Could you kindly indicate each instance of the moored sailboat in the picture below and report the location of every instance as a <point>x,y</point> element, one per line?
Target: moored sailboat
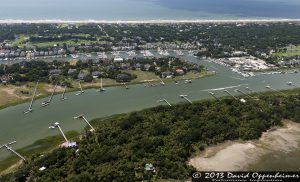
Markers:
<point>101,86</point>
<point>32,100</point>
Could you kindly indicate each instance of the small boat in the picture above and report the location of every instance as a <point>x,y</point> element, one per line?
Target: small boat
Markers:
<point>102,55</point>
<point>147,54</point>
<point>46,103</point>
<point>32,100</point>
<point>125,85</point>
<point>74,56</point>
<point>81,90</point>
<point>131,54</point>
<point>28,111</point>
<point>188,81</point>
<point>179,53</point>
<point>101,87</point>
<point>115,53</point>
<point>164,53</point>
<point>63,94</point>
<point>162,82</point>
<point>191,53</point>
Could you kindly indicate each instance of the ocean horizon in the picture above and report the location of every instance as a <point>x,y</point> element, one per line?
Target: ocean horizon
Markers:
<point>19,21</point>
<point>137,10</point>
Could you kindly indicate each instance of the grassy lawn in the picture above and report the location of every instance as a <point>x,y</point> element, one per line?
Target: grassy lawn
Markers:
<point>287,54</point>
<point>291,51</point>
<point>6,99</point>
<point>21,40</point>
<point>13,94</point>
<point>191,75</point>
<point>50,44</point>
<point>143,75</point>
<point>63,25</point>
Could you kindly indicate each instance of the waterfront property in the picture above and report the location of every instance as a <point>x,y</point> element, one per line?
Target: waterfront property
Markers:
<point>116,100</point>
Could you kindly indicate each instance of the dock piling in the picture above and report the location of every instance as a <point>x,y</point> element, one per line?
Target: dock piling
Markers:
<point>7,146</point>
<point>81,116</point>
<point>270,88</point>
<point>164,100</point>
<point>226,91</point>
<point>56,125</point>
<point>185,97</point>
<point>214,95</point>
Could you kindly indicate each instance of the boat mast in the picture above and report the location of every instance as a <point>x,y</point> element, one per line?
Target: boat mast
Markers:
<point>32,99</point>
<point>101,86</point>
<point>50,99</point>
<point>63,94</point>
<point>80,88</point>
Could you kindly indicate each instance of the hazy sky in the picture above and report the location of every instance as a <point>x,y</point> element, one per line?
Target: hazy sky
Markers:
<point>147,9</point>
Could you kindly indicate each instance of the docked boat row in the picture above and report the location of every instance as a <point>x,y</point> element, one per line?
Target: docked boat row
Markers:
<point>164,53</point>
<point>149,83</point>
<point>147,53</point>
<point>101,55</point>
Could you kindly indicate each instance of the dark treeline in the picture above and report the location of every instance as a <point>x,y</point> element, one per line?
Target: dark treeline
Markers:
<point>163,136</point>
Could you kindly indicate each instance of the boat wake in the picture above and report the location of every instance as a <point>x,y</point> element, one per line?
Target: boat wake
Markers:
<point>224,88</point>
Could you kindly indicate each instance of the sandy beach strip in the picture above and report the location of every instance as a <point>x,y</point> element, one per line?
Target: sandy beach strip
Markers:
<point>156,21</point>
<point>235,156</point>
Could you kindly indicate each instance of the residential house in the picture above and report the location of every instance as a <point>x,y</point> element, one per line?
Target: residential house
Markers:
<point>55,72</point>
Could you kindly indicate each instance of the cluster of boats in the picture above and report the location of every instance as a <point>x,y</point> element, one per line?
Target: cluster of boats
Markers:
<point>147,53</point>
<point>179,52</point>
<point>48,102</point>
<point>102,55</point>
<point>244,74</point>
<point>164,53</point>
<point>81,91</point>
<point>130,54</point>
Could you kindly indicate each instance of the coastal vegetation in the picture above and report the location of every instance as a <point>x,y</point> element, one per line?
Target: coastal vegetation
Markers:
<point>151,144</point>
<point>218,40</point>
<point>124,146</point>
<point>285,54</point>
<point>64,72</point>
<point>18,80</point>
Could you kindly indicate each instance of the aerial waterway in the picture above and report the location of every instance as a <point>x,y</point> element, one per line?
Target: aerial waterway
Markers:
<point>28,128</point>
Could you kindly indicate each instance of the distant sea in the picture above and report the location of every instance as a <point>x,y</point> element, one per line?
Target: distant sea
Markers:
<point>148,9</point>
